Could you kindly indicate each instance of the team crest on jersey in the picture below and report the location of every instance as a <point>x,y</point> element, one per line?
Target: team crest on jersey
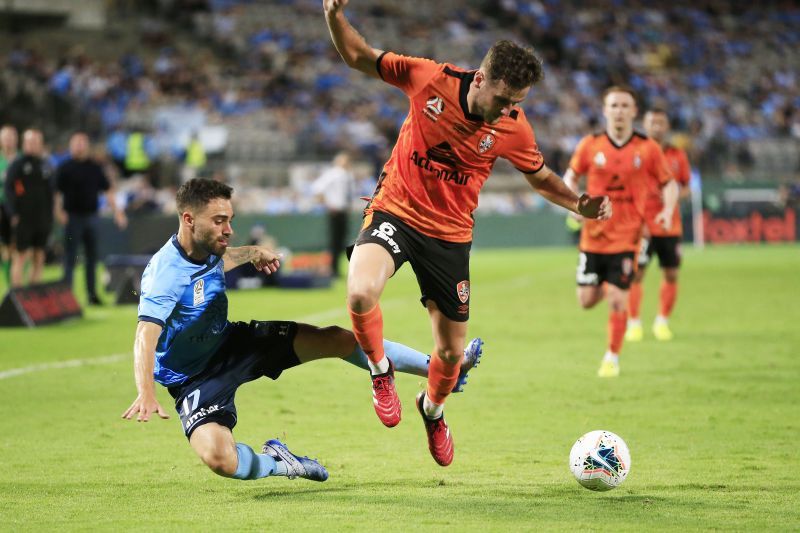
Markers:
<point>463,291</point>
<point>600,159</point>
<point>434,107</point>
<point>199,295</point>
<point>486,143</point>
<point>637,161</point>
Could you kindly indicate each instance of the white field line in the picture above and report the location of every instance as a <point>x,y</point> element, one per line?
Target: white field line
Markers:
<point>328,314</point>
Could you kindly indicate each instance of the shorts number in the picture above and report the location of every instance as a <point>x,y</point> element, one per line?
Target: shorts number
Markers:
<point>195,395</point>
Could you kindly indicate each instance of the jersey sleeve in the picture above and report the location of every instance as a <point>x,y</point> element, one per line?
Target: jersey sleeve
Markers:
<point>160,291</point>
<point>410,74</point>
<point>579,163</point>
<point>523,152</point>
<point>659,166</point>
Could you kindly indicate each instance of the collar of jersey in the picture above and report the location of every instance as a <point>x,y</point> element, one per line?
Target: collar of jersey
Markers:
<point>184,254</point>
<point>466,80</point>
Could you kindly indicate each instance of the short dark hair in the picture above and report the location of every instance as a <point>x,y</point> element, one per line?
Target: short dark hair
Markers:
<point>657,110</point>
<point>621,89</point>
<point>516,65</point>
<point>197,192</point>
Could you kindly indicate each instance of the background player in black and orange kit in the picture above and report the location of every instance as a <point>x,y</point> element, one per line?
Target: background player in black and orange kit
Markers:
<point>459,123</point>
<point>665,243</point>
<point>620,163</point>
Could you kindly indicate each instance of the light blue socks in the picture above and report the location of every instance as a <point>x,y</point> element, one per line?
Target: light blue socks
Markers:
<point>405,359</point>
<point>254,465</point>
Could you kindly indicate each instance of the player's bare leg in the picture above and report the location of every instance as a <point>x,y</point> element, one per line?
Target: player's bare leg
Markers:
<point>449,337</point>
<point>633,331</point>
<point>590,295</point>
<point>371,266</point>
<point>18,261</point>
<point>215,446</point>
<point>37,268</point>
<point>667,297</point>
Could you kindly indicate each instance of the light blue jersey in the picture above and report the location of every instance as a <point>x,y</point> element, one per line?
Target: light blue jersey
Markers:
<point>187,298</point>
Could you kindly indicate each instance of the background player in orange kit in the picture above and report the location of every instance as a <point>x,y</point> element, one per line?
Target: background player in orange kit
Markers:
<point>619,163</point>
<point>459,123</point>
<point>666,243</point>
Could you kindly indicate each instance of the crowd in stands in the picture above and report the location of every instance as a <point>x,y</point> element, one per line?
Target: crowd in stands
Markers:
<point>726,71</point>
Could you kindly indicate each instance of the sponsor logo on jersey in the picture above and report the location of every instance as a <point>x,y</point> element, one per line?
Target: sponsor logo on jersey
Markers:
<point>486,143</point>
<point>434,107</point>
<point>463,291</point>
<point>600,159</point>
<point>442,154</point>
<point>637,161</point>
<point>199,296</point>
<point>385,232</point>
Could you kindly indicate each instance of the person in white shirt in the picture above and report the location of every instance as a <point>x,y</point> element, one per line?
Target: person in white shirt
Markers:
<point>335,188</point>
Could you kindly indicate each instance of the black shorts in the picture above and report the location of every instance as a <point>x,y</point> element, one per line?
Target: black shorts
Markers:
<point>250,351</point>
<point>5,226</point>
<point>441,267</point>
<point>616,269</point>
<point>668,250</point>
<point>31,234</point>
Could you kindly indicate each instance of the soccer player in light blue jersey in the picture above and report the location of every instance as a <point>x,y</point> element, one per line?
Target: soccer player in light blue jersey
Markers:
<point>185,341</point>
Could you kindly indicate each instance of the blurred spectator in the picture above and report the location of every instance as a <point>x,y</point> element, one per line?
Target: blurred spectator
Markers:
<point>29,200</point>
<point>335,188</point>
<point>8,152</point>
<point>79,182</point>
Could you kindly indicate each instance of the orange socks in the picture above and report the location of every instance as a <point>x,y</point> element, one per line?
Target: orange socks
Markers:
<point>669,293</point>
<point>634,300</point>
<point>442,378</point>
<point>617,322</point>
<point>368,329</point>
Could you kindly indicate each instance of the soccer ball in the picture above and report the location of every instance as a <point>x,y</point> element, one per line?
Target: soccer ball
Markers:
<point>600,460</point>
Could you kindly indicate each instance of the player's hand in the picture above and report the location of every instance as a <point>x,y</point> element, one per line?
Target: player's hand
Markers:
<point>15,221</point>
<point>598,207</point>
<point>664,219</point>
<point>120,219</point>
<point>145,406</point>
<point>332,7</point>
<point>266,260</point>
<point>62,217</point>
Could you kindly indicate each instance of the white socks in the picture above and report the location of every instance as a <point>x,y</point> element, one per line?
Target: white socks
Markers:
<point>432,410</point>
<point>381,367</point>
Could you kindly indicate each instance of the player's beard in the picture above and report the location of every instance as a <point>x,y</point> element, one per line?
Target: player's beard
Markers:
<point>208,241</point>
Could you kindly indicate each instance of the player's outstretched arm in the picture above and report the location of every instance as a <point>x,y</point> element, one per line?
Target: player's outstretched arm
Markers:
<point>264,259</point>
<point>348,42</point>
<point>554,189</point>
<point>670,194</point>
<point>144,357</point>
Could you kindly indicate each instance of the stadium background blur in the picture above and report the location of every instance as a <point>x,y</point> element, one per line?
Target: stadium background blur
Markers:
<point>259,88</point>
<point>253,93</point>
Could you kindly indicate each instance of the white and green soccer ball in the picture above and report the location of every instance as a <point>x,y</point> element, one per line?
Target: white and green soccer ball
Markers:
<point>600,460</point>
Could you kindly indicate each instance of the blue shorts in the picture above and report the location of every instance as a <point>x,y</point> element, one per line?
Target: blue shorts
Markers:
<point>250,351</point>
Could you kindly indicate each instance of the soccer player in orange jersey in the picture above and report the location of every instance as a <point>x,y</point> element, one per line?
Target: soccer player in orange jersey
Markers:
<point>620,163</point>
<point>666,243</point>
<point>459,122</point>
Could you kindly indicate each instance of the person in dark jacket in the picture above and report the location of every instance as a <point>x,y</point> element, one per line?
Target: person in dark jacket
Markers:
<point>79,182</point>
<point>29,203</point>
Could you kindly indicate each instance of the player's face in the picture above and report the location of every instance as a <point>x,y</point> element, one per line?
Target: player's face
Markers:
<point>79,146</point>
<point>33,142</point>
<point>619,110</point>
<point>8,139</point>
<point>212,229</point>
<point>656,125</point>
<point>495,99</point>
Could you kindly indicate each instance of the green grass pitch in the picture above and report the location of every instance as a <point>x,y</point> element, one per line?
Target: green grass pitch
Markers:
<point>711,418</point>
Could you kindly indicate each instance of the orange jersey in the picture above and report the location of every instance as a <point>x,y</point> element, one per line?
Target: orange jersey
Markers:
<point>444,154</point>
<point>623,174</point>
<point>678,165</point>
